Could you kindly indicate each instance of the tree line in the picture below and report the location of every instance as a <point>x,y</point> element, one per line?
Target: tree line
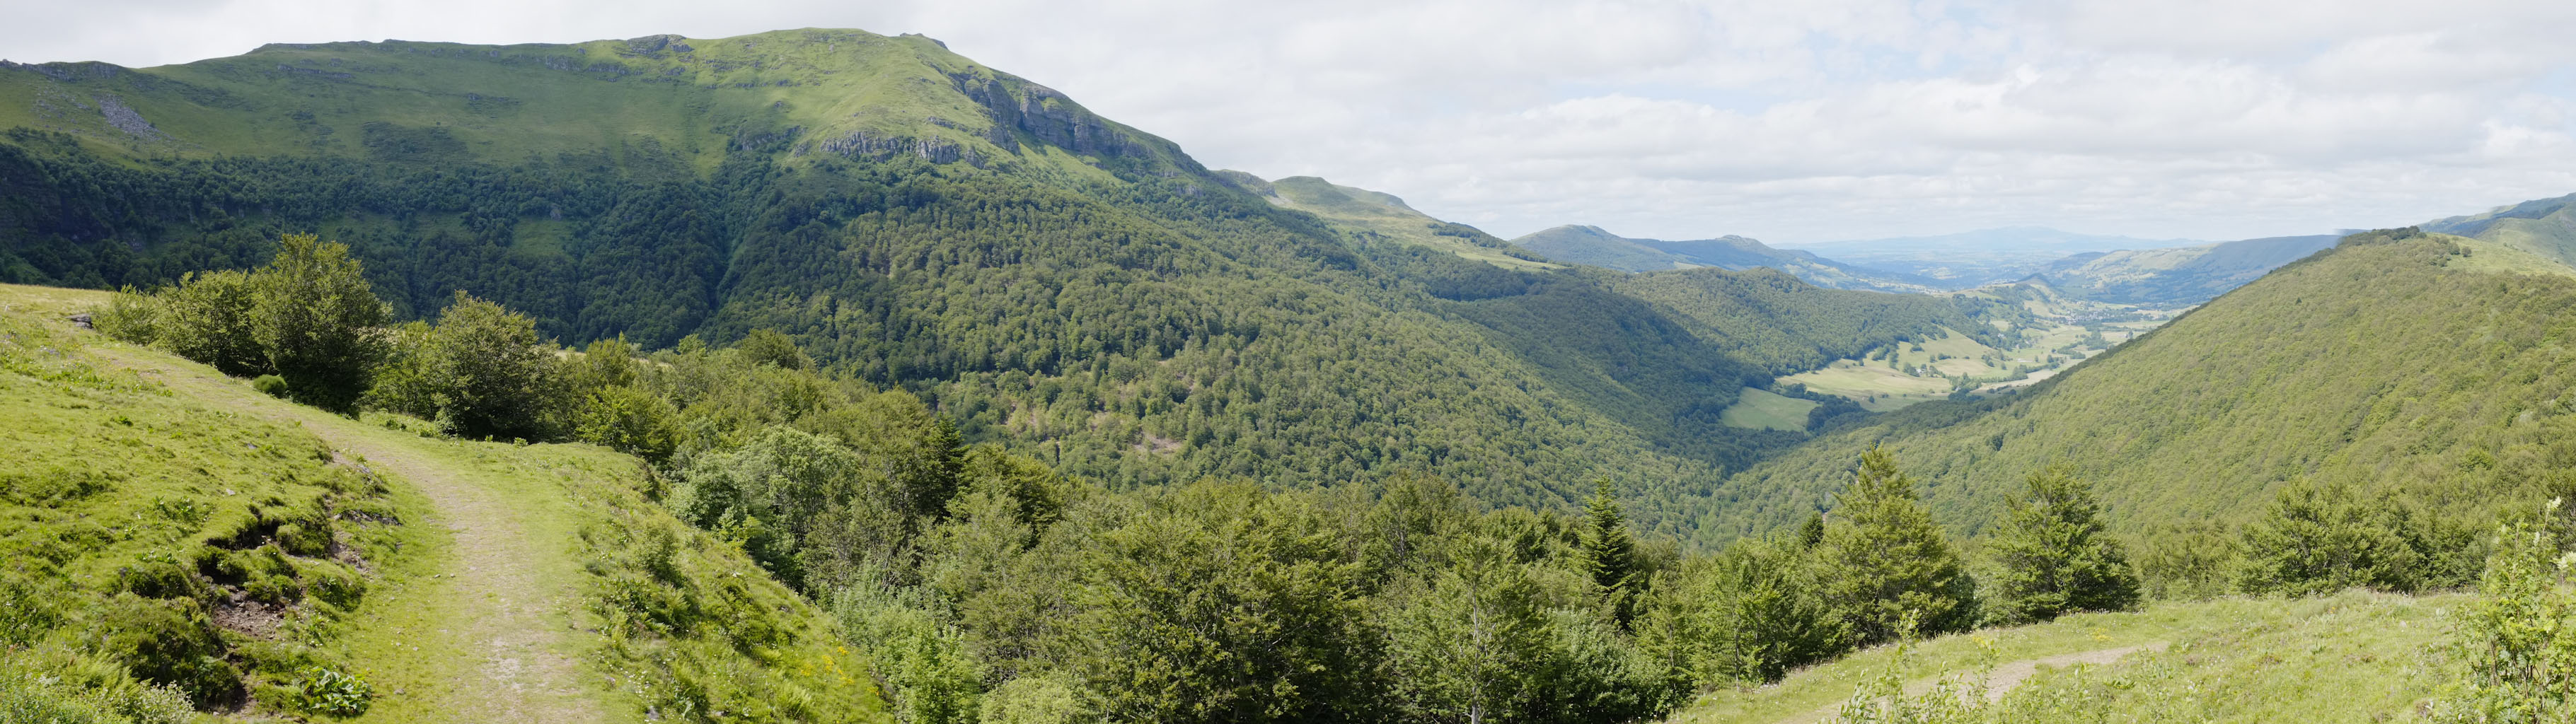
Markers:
<point>988,586</point>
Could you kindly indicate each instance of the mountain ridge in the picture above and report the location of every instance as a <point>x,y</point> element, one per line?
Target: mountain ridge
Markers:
<point>1593,245</point>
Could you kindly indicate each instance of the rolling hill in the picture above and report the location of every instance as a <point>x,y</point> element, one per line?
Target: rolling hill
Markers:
<point>1594,246</point>
<point>1977,258</point>
<point>2545,228</point>
<point>2176,276</point>
<point>2393,363</point>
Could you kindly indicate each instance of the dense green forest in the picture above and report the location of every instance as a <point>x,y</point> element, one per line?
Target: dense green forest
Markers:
<point>983,585</point>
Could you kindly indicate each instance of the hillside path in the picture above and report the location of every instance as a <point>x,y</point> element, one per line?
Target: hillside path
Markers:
<point>509,617</point>
<point>2007,676</point>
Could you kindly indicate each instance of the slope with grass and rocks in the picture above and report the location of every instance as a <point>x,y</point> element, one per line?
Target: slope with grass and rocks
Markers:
<point>187,541</point>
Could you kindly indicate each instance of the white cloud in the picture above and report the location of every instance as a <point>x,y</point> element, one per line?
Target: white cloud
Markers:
<point>1783,120</point>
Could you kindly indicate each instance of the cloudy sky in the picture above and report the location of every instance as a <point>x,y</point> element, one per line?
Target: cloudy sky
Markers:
<point>1786,120</point>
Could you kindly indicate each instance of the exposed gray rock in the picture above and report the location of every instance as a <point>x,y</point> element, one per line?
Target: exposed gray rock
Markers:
<point>1046,115</point>
<point>861,145</point>
<point>125,119</point>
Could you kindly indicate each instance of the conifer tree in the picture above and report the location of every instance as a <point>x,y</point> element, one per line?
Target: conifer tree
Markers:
<point>1609,552</point>
<point>2053,555</point>
<point>1883,561</point>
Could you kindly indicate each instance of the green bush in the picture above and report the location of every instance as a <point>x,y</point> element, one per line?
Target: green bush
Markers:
<point>629,421</point>
<point>84,692</point>
<point>208,318</point>
<point>2515,637</point>
<point>2321,538</point>
<point>481,372</point>
<point>130,316</point>
<point>324,691</point>
<point>270,385</point>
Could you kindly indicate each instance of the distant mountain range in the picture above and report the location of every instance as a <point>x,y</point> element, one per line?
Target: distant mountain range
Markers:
<point>2177,276</point>
<point>1977,258</point>
<point>2115,269</point>
<point>1597,247</point>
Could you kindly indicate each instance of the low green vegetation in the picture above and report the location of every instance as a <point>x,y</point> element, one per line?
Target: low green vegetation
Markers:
<point>170,555</point>
<point>308,585</point>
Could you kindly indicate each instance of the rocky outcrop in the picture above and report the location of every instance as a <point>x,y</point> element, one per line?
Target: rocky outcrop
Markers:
<point>744,140</point>
<point>654,45</point>
<point>1046,115</point>
<point>66,72</point>
<point>865,146</point>
<point>125,119</point>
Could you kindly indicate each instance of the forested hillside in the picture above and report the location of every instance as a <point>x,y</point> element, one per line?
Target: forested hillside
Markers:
<point>1055,282</point>
<point>2384,370</point>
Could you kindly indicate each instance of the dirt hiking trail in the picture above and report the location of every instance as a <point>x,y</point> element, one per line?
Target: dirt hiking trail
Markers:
<point>510,614</point>
<point>2006,676</point>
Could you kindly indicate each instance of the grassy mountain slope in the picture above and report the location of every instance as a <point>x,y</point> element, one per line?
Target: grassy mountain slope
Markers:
<point>2177,276</point>
<point>172,512</point>
<point>2379,363</point>
<point>1381,216</point>
<point>2545,228</point>
<point>1597,247</point>
<point>1062,285</point>
<point>2353,657</point>
<point>647,102</point>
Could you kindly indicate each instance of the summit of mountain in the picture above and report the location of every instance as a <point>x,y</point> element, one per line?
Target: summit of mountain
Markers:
<point>646,103</point>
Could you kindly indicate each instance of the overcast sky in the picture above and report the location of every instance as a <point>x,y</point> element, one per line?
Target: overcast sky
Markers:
<point>1785,120</point>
